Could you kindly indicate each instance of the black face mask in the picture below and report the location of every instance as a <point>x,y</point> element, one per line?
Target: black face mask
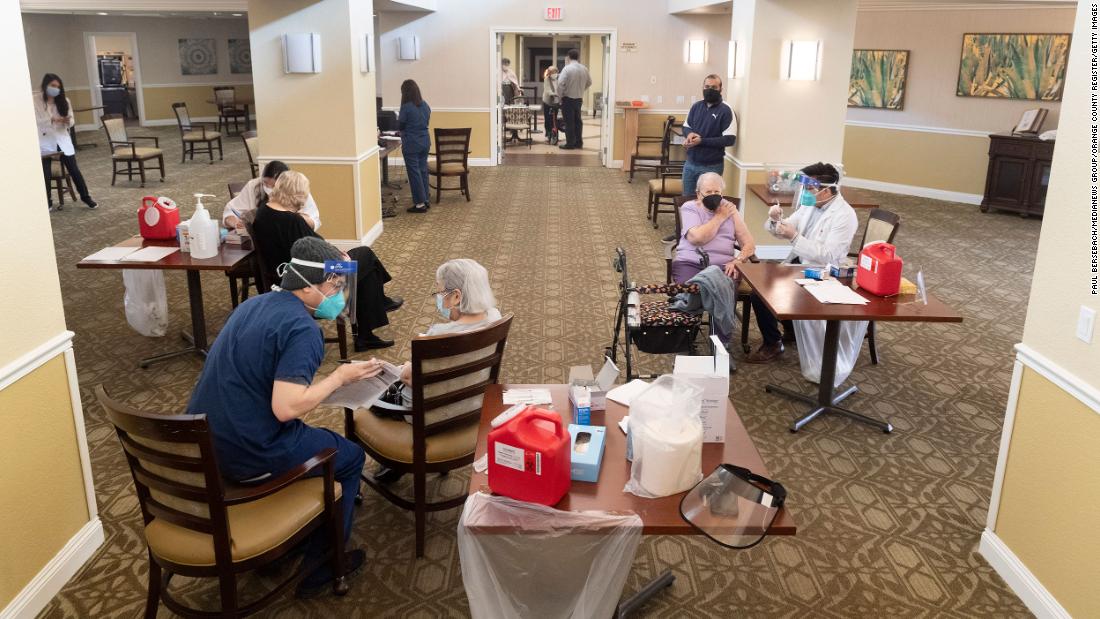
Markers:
<point>712,202</point>
<point>711,96</point>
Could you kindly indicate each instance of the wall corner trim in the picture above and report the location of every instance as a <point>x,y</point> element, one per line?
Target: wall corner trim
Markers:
<point>372,235</point>
<point>1065,380</point>
<point>1020,579</point>
<point>34,358</point>
<point>56,573</point>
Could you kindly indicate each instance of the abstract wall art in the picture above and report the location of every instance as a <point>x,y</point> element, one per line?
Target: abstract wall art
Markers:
<point>878,78</point>
<point>1013,66</point>
<point>198,57</point>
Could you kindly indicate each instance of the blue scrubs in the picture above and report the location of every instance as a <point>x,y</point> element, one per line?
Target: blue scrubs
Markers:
<point>413,121</point>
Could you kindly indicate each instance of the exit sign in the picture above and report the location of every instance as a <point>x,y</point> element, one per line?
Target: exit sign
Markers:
<point>553,13</point>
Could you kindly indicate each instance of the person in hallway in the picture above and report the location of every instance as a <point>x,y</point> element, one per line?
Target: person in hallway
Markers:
<point>412,120</point>
<point>508,77</point>
<point>551,103</point>
<point>258,382</point>
<point>820,232</point>
<point>54,117</point>
<point>711,225</point>
<point>572,83</point>
<point>257,191</point>
<point>709,128</point>
<point>279,224</point>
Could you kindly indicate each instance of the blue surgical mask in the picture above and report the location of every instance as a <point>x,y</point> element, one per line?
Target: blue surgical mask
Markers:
<point>445,312</point>
<point>331,307</point>
<point>53,92</point>
<point>809,198</point>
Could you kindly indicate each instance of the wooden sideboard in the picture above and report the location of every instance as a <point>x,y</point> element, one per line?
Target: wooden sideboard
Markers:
<point>1019,171</point>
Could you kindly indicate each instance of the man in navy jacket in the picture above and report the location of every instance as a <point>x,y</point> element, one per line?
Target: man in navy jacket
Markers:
<point>710,127</point>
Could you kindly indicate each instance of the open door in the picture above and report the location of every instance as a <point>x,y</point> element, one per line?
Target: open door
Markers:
<point>498,110</point>
<point>606,111</point>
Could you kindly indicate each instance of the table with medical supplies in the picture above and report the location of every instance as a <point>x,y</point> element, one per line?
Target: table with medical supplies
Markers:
<point>659,516</point>
<point>776,285</point>
<point>228,256</point>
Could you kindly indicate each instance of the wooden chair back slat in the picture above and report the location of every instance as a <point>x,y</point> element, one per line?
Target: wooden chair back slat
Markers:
<point>452,146</point>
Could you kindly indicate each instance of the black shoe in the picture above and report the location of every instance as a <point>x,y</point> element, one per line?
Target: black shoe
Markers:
<point>371,342</point>
<point>419,208</point>
<point>567,147</point>
<point>386,476</point>
<point>788,338</point>
<point>315,584</point>
<point>89,202</point>
<point>273,569</point>
<point>670,238</point>
<point>394,303</point>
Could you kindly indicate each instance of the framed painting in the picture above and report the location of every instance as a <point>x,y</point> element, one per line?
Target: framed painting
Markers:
<point>878,78</point>
<point>1013,66</point>
<point>198,57</point>
<point>240,56</point>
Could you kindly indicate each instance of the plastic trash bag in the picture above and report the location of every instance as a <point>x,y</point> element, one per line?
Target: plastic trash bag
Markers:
<point>666,438</point>
<point>810,335</point>
<point>145,301</point>
<point>522,560</point>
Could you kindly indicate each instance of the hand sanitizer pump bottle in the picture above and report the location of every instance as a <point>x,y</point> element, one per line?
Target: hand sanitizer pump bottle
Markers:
<point>203,231</point>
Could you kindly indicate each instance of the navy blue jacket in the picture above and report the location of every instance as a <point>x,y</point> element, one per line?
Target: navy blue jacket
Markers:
<point>413,123</point>
<point>716,125</point>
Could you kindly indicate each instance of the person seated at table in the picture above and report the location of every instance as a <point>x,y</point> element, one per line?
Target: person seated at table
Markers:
<point>256,192</point>
<point>278,224</point>
<point>819,233</point>
<point>711,225</point>
<point>258,382</point>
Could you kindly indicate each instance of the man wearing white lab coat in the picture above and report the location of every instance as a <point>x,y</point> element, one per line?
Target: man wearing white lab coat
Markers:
<point>819,234</point>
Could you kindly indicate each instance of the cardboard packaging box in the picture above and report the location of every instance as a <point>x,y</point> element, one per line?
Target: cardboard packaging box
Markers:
<point>585,454</point>
<point>712,375</point>
<point>581,376</point>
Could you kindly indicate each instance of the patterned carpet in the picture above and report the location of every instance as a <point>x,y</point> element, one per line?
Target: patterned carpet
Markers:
<point>888,525</point>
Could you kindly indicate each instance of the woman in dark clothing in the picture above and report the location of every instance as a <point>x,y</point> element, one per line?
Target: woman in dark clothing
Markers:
<point>278,224</point>
<point>413,121</point>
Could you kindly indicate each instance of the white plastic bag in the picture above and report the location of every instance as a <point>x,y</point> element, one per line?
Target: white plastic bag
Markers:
<point>666,438</point>
<point>523,560</point>
<point>145,301</point>
<point>810,335</point>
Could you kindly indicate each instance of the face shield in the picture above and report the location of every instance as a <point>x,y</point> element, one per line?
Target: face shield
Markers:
<point>340,277</point>
<point>733,506</point>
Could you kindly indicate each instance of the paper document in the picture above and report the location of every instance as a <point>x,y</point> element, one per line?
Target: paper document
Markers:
<point>110,254</point>
<point>624,423</point>
<point>364,393</point>
<point>481,464</point>
<point>528,396</point>
<point>834,292</point>
<point>624,393</point>
<point>150,254</point>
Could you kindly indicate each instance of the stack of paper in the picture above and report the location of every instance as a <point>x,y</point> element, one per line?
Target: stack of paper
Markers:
<point>527,396</point>
<point>111,254</point>
<point>150,254</point>
<point>834,292</point>
<point>624,393</point>
<point>364,393</point>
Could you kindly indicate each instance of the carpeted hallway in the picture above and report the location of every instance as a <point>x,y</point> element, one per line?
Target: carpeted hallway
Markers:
<point>888,525</point>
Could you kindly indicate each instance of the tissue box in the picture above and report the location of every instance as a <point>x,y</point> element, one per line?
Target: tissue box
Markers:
<point>712,375</point>
<point>581,376</point>
<point>585,457</point>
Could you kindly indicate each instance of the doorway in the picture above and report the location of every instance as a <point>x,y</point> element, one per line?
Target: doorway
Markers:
<point>114,75</point>
<point>531,52</point>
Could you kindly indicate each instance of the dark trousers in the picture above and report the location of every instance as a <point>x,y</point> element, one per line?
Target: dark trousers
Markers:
<point>767,322</point>
<point>550,119</point>
<point>416,168</point>
<point>571,114</point>
<point>69,161</point>
<point>370,299</point>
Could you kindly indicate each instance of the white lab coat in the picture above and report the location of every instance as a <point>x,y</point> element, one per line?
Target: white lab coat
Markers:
<point>822,240</point>
<point>245,201</point>
<point>53,136</point>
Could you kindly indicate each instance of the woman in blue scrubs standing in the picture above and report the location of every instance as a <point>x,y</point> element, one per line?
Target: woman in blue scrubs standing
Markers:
<point>413,120</point>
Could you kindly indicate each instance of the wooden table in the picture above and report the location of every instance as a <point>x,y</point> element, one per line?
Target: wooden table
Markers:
<point>856,197</point>
<point>245,102</point>
<point>659,516</point>
<point>72,130</point>
<point>228,257</point>
<point>788,301</point>
<point>630,131</point>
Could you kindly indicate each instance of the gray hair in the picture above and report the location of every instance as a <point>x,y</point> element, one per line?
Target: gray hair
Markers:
<point>472,279</point>
<point>710,177</point>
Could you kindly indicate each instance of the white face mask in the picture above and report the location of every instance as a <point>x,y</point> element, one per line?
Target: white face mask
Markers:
<point>267,189</point>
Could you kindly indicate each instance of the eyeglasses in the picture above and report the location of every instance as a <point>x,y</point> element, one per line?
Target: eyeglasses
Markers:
<point>733,506</point>
<point>442,292</point>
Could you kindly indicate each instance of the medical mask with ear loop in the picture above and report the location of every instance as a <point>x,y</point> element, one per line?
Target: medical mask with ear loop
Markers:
<point>712,96</point>
<point>712,202</point>
<point>443,310</point>
<point>52,91</point>
<point>332,306</point>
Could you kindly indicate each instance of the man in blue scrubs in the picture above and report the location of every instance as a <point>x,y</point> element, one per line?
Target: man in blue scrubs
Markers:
<point>257,383</point>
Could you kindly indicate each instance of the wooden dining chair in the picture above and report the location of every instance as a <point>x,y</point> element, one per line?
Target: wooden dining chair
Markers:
<point>882,226</point>
<point>126,156</point>
<point>517,120</point>
<point>198,525</point>
<point>452,159</point>
<point>225,98</point>
<point>449,376</point>
<point>200,137</point>
<point>243,275</point>
<point>252,149</point>
<point>59,180</point>
<point>649,150</point>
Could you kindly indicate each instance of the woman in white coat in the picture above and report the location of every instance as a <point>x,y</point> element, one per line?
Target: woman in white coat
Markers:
<point>54,116</point>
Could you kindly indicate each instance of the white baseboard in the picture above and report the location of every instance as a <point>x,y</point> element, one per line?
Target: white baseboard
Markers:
<point>616,164</point>
<point>51,578</point>
<point>914,190</point>
<point>86,127</point>
<point>1020,579</point>
<point>372,235</point>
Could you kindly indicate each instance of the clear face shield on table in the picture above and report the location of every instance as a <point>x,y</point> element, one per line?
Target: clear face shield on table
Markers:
<point>733,506</point>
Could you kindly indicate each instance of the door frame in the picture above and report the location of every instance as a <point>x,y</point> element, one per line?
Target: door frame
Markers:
<point>607,125</point>
<point>93,73</point>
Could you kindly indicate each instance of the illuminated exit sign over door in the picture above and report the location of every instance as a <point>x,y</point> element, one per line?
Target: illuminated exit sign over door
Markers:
<point>553,13</point>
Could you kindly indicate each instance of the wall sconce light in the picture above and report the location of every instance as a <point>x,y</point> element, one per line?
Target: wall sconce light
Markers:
<point>366,53</point>
<point>801,60</point>
<point>408,48</point>
<point>734,61</point>
<point>302,52</point>
<point>695,51</point>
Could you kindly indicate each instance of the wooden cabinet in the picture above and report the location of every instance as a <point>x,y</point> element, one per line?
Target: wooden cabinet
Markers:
<point>1019,171</point>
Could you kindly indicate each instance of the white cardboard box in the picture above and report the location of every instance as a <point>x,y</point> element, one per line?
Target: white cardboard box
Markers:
<point>712,375</point>
<point>581,375</point>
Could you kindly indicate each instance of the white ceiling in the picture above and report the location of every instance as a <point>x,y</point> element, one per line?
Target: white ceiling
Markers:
<point>707,8</point>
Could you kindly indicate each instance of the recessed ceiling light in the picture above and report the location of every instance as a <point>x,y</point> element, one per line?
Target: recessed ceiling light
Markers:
<point>101,13</point>
<point>238,14</point>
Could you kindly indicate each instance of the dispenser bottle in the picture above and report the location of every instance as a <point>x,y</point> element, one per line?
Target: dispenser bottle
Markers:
<point>203,230</point>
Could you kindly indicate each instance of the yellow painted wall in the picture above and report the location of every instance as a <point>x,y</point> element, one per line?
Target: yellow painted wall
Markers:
<point>333,188</point>
<point>649,123</point>
<point>479,122</point>
<point>158,101</point>
<point>370,192</point>
<point>936,160</point>
<point>1050,502</point>
<point>80,98</point>
<point>42,501</point>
